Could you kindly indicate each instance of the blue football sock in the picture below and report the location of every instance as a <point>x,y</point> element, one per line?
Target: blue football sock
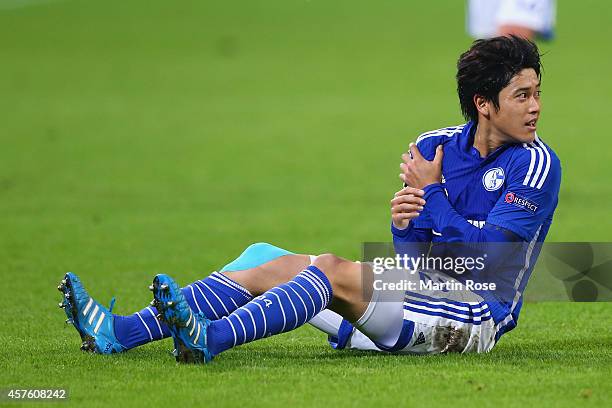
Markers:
<point>215,296</point>
<point>278,310</point>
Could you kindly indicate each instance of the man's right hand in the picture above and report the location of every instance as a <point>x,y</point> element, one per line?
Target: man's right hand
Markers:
<point>406,205</point>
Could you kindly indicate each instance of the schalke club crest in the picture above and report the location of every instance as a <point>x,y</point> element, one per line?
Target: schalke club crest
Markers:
<point>493,179</point>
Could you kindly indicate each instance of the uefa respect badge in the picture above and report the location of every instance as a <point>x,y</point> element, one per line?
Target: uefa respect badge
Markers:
<point>521,202</point>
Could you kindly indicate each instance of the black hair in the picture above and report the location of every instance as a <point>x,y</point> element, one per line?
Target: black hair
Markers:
<point>489,65</point>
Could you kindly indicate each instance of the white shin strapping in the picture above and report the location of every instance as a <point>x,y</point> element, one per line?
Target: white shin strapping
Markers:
<point>382,321</point>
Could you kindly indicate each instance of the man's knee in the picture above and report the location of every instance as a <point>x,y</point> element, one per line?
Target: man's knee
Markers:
<point>345,278</point>
<point>328,263</point>
<point>343,274</point>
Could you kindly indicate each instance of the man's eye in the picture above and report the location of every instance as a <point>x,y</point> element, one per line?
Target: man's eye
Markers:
<point>522,95</point>
<point>538,93</point>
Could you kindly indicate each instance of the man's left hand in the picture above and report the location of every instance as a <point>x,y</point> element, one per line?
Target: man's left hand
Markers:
<point>418,172</point>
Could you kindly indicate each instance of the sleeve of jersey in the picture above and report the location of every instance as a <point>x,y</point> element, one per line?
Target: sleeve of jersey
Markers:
<point>420,227</point>
<point>412,241</point>
<point>530,195</point>
<point>415,239</point>
<point>453,226</point>
<point>521,209</point>
<point>410,234</point>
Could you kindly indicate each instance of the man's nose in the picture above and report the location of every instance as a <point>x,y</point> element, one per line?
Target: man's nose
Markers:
<point>534,105</point>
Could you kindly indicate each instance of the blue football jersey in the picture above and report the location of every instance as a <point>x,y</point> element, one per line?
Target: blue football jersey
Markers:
<point>515,188</point>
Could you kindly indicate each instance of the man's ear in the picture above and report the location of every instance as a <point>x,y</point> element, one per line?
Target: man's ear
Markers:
<point>482,105</point>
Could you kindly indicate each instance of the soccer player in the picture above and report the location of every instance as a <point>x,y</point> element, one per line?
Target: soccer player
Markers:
<point>491,181</point>
<point>524,18</point>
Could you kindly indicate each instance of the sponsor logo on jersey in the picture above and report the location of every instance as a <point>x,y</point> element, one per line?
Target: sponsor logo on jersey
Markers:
<point>493,179</point>
<point>477,223</point>
<point>521,202</point>
<point>443,181</point>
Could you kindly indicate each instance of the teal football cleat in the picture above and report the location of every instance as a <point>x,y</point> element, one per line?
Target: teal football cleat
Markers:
<point>188,329</point>
<point>94,322</point>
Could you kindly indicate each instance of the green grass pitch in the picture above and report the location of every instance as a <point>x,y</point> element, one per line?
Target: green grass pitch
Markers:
<point>152,136</point>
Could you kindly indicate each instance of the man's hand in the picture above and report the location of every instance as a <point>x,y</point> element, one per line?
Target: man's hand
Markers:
<point>406,205</point>
<point>418,172</point>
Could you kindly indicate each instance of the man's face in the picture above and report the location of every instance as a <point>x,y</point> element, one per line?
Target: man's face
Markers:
<point>519,108</point>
